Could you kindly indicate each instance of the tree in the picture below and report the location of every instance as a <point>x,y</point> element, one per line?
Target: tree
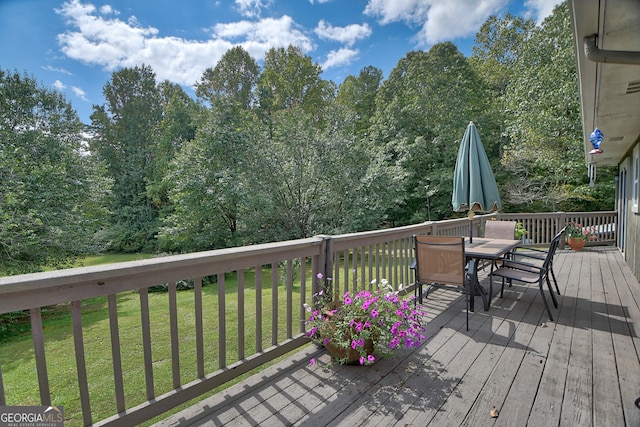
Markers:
<point>179,123</point>
<point>422,111</point>
<point>290,80</point>
<point>124,138</point>
<point>51,193</point>
<point>209,189</point>
<point>232,81</point>
<point>498,48</point>
<point>318,179</point>
<point>359,93</point>
<point>542,110</point>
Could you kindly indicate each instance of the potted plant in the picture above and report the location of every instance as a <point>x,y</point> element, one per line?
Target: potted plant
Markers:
<point>577,236</point>
<point>520,231</point>
<point>364,324</point>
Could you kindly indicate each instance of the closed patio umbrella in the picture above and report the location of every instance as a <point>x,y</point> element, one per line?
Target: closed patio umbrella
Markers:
<point>474,185</point>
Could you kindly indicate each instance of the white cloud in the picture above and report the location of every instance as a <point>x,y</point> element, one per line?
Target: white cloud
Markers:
<point>79,93</point>
<point>440,20</point>
<point>59,85</point>
<point>113,43</point>
<point>107,10</point>
<point>252,8</point>
<point>540,9</point>
<point>347,35</point>
<point>260,36</point>
<point>340,57</point>
<point>457,19</point>
<point>57,70</point>
<point>407,11</point>
<point>76,90</point>
<point>448,20</point>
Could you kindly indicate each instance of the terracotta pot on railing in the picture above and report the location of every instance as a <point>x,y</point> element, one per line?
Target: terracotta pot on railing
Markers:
<point>576,244</point>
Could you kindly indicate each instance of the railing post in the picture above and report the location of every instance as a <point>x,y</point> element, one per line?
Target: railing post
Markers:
<point>325,264</point>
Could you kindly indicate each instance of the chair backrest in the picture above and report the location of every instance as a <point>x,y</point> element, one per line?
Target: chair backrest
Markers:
<point>440,260</point>
<point>500,230</point>
<point>560,233</point>
<point>553,246</point>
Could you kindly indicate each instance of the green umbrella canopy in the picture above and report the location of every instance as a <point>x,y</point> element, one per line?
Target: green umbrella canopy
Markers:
<point>474,185</point>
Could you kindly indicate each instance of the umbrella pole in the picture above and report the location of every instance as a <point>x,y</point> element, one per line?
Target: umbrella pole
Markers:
<point>470,231</point>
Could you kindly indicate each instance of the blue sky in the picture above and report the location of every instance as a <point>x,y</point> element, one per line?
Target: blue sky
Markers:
<point>75,45</point>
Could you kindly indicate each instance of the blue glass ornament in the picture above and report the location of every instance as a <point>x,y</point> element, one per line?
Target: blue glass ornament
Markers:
<point>596,138</point>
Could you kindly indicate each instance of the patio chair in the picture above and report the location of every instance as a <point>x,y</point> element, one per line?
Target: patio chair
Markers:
<point>537,256</point>
<point>531,274</point>
<point>440,262</point>
<point>499,230</point>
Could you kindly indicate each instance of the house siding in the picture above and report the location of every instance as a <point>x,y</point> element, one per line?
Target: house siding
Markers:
<point>632,226</point>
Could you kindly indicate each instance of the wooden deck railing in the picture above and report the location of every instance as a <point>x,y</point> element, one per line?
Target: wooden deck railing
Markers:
<point>256,317</point>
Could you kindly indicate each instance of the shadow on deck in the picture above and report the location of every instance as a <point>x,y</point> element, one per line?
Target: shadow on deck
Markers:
<point>583,369</point>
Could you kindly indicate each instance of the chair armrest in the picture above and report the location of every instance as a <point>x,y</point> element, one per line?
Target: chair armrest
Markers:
<point>524,266</point>
<point>540,254</point>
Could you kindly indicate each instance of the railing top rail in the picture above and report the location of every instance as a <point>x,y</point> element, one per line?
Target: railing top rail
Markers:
<point>60,286</point>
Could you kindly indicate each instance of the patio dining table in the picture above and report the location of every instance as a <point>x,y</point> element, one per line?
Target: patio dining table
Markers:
<point>486,249</point>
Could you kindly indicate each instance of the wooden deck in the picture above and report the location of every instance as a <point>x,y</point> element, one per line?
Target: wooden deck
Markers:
<point>582,369</point>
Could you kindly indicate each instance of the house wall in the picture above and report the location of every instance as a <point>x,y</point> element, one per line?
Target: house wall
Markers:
<point>632,231</point>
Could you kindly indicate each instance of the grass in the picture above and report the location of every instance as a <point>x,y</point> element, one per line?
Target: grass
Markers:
<point>18,362</point>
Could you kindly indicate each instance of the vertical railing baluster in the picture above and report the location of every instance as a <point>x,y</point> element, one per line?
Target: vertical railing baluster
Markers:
<point>146,342</point>
<point>173,330</point>
<point>41,360</point>
<point>258,308</point>
<point>197,290</point>
<point>3,399</point>
<point>240,314</point>
<point>345,269</point>
<point>336,273</point>
<point>222,322</point>
<point>115,353</point>
<point>289,287</point>
<point>363,271</point>
<point>303,292</point>
<point>274,303</point>
<point>81,367</point>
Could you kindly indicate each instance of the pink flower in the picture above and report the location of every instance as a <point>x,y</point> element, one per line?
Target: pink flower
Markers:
<point>371,358</point>
<point>312,361</point>
<point>362,359</point>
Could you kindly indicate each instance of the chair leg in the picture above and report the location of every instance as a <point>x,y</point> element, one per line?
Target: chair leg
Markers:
<point>553,296</point>
<point>553,274</point>
<point>544,300</point>
<point>467,293</point>
<point>491,283</point>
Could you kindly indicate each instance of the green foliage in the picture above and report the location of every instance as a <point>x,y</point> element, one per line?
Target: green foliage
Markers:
<point>290,79</point>
<point>232,81</point>
<point>208,178</point>
<point>359,93</point>
<point>124,132</point>
<point>545,153</point>
<point>419,121</point>
<point>52,193</point>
